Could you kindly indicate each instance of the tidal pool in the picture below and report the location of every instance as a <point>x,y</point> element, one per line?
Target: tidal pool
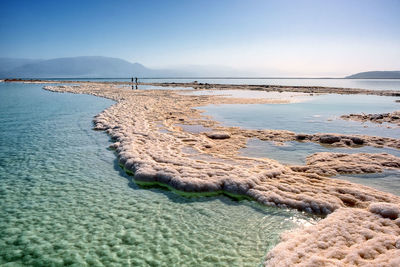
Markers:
<point>319,113</point>
<point>295,153</point>
<point>64,200</point>
<point>388,181</point>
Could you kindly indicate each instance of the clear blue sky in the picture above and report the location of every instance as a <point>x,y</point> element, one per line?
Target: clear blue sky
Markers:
<point>301,38</point>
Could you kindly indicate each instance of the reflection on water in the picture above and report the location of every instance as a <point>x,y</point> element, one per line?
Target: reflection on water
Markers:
<point>319,114</point>
<point>65,201</point>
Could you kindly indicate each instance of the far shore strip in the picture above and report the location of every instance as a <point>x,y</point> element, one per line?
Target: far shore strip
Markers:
<point>363,224</point>
<point>200,86</point>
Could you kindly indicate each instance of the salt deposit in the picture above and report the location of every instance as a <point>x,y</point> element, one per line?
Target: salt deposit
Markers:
<point>330,164</point>
<point>360,228</point>
<point>393,117</point>
<point>347,237</point>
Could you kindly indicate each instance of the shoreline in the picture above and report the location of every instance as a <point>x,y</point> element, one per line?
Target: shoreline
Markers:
<point>389,118</point>
<point>267,181</point>
<point>201,86</point>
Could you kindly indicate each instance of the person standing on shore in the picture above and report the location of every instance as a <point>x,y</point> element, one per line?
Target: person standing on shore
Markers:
<point>132,82</point>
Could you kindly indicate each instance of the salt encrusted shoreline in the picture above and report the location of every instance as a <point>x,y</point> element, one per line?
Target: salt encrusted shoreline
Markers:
<point>393,117</point>
<point>194,162</point>
<point>283,88</point>
<point>266,88</point>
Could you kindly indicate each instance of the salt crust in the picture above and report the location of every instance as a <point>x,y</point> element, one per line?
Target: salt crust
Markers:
<point>366,234</point>
<point>347,237</point>
<point>393,117</point>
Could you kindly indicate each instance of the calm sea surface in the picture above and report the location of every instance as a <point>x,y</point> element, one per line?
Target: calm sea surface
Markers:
<point>65,201</point>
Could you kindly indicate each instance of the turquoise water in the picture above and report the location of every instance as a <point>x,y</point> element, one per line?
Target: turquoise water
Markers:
<point>318,113</point>
<point>372,84</point>
<point>65,201</point>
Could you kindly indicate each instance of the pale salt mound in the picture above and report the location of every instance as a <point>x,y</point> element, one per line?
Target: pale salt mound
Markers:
<point>330,164</point>
<point>347,237</point>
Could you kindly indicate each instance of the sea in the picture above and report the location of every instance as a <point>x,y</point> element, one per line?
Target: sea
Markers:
<point>65,201</point>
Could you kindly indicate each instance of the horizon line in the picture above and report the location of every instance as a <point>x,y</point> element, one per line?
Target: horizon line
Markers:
<point>204,77</point>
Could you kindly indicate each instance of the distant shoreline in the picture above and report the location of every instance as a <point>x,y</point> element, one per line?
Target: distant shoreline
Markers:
<point>268,88</point>
<point>202,78</point>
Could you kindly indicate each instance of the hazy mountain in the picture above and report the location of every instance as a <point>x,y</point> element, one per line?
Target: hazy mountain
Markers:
<point>7,64</point>
<point>376,75</point>
<point>75,67</point>
<point>102,67</point>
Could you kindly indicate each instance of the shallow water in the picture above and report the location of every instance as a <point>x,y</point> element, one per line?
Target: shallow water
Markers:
<point>295,153</point>
<point>388,181</point>
<point>194,128</point>
<point>318,114</point>
<point>64,200</point>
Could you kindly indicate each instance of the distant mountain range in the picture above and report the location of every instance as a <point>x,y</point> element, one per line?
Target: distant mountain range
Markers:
<point>99,67</point>
<point>74,67</point>
<point>376,75</point>
<point>107,67</point>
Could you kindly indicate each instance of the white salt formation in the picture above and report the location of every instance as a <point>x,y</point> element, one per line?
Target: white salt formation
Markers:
<point>330,164</point>
<point>347,237</point>
<point>207,162</point>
